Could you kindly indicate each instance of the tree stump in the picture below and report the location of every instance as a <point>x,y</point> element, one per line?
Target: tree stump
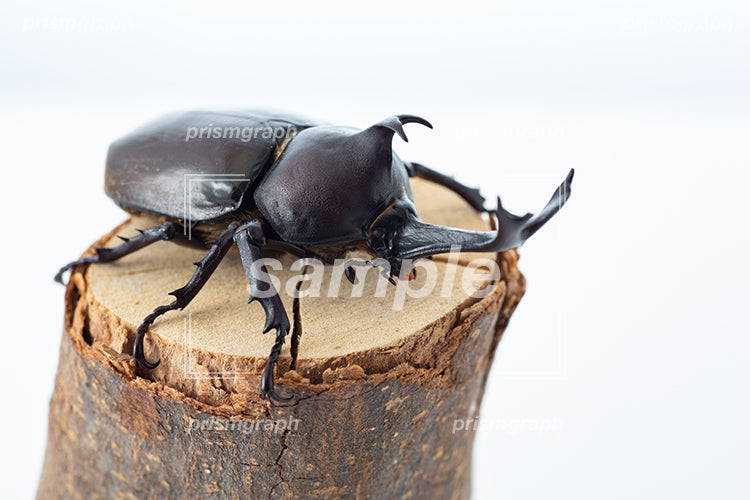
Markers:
<point>377,391</point>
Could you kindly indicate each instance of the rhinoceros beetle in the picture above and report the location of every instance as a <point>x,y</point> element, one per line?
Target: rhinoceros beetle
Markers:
<point>314,190</point>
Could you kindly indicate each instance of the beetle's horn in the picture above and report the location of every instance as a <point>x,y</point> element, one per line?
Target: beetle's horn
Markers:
<point>418,239</point>
<point>395,124</point>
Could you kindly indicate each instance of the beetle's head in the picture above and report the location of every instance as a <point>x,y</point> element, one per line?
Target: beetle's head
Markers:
<point>398,236</point>
<point>386,234</point>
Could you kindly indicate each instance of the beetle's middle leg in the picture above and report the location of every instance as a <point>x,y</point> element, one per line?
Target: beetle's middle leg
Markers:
<point>471,195</point>
<point>249,238</point>
<point>182,296</point>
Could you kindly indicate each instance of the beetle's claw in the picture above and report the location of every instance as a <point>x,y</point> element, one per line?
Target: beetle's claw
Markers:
<point>351,275</point>
<point>143,363</point>
<point>59,275</point>
<point>387,275</point>
<point>70,265</point>
<point>267,390</point>
<point>273,396</point>
<point>138,354</point>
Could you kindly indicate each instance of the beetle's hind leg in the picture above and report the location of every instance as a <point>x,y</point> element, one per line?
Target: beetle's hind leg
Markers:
<point>471,195</point>
<point>165,231</point>
<point>182,296</point>
<point>249,238</point>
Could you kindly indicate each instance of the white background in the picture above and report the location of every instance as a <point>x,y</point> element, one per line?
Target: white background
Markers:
<point>624,372</point>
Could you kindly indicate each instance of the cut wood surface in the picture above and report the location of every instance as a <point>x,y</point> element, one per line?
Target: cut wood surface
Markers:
<point>379,378</point>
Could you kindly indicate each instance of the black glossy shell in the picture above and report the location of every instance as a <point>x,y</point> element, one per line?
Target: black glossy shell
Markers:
<point>159,168</point>
<point>330,183</point>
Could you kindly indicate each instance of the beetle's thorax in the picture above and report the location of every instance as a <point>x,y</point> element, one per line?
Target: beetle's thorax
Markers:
<point>330,183</point>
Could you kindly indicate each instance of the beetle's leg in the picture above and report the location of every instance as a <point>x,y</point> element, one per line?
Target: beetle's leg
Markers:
<point>165,231</point>
<point>182,296</point>
<point>249,238</point>
<point>351,274</point>
<point>471,195</point>
<point>297,327</point>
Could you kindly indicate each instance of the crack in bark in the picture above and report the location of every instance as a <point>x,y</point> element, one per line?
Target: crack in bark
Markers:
<point>276,463</point>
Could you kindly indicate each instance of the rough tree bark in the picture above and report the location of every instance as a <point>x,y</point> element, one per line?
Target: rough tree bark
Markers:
<point>376,391</point>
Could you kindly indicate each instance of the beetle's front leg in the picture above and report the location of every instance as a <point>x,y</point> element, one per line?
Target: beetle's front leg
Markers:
<point>250,237</point>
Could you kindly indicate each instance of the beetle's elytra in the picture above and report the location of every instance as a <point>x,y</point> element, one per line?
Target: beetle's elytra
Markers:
<point>312,189</point>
